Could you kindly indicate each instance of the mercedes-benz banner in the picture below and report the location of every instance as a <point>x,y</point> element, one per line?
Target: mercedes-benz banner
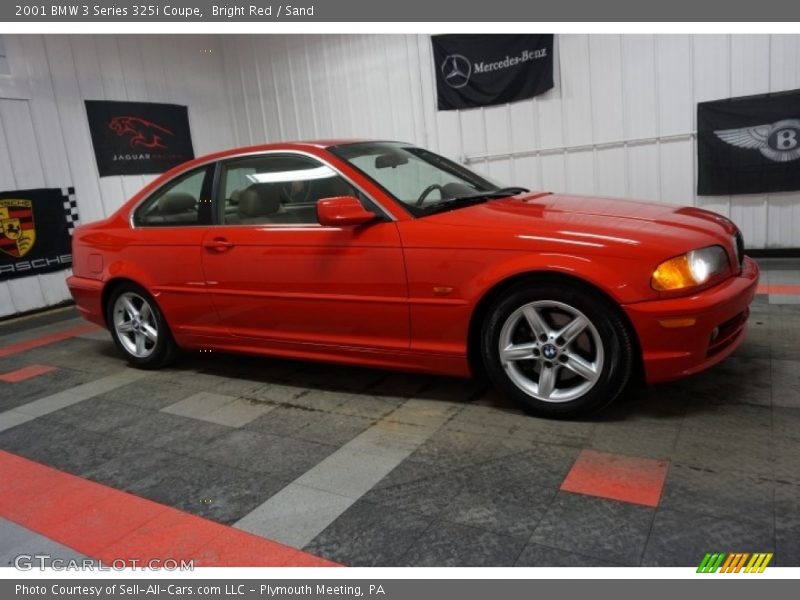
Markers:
<point>483,70</point>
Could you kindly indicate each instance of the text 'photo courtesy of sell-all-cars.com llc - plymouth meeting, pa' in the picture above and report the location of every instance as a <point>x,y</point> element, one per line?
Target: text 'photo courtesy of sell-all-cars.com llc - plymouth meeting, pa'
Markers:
<point>383,254</point>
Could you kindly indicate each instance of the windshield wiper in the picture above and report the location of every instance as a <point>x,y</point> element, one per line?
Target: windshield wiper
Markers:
<point>501,193</point>
<point>509,191</point>
<point>462,201</point>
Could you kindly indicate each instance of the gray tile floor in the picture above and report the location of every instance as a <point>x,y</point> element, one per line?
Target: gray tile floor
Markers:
<point>367,467</point>
<point>23,548</point>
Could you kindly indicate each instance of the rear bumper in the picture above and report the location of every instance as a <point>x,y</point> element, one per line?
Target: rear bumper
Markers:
<point>88,296</point>
<point>682,336</point>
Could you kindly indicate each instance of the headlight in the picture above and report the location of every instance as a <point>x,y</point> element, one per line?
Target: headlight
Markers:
<point>690,269</point>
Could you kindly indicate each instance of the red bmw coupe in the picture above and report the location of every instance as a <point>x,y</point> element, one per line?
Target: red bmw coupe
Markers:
<point>387,255</point>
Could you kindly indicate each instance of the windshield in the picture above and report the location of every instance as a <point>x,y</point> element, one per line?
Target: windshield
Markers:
<point>423,181</point>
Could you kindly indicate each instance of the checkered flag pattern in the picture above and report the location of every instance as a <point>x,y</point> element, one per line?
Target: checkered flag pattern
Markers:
<point>70,209</point>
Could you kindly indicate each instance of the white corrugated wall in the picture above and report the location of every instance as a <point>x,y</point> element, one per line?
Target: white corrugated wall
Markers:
<point>620,120</point>
<point>44,134</point>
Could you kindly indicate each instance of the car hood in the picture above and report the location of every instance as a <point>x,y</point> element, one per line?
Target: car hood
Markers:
<point>591,224</point>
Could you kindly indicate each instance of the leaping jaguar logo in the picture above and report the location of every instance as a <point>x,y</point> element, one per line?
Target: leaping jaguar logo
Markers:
<point>144,133</point>
<point>779,141</point>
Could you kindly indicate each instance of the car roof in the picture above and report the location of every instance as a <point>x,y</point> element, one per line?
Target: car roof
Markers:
<point>252,149</point>
<point>290,145</point>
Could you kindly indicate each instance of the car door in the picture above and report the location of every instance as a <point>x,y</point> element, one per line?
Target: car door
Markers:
<point>277,275</point>
<point>164,251</point>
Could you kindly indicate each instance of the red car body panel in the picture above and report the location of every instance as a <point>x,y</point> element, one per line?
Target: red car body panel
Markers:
<point>323,285</point>
<point>402,293</point>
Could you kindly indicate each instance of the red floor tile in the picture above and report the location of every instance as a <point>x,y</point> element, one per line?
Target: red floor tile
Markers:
<point>171,535</point>
<point>18,483</point>
<point>47,339</point>
<point>52,506</point>
<point>104,524</point>
<point>782,289</point>
<point>26,373</point>
<point>111,525</point>
<point>617,477</point>
<point>237,548</point>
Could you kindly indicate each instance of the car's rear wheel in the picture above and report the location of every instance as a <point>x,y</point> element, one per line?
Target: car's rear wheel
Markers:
<point>558,348</point>
<point>138,327</point>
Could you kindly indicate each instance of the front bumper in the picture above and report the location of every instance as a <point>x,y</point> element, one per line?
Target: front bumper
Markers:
<point>682,336</point>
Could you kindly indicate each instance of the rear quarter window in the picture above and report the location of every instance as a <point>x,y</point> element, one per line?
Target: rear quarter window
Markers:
<point>179,202</point>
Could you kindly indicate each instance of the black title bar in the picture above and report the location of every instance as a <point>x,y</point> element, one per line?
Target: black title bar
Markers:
<point>450,11</point>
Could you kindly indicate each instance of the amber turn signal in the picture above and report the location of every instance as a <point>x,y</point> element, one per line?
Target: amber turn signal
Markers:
<point>673,274</point>
<point>691,269</point>
<point>677,323</point>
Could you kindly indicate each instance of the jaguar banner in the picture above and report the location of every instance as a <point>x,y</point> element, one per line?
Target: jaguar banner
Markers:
<point>483,70</point>
<point>138,138</point>
<point>749,145</point>
<point>36,231</point>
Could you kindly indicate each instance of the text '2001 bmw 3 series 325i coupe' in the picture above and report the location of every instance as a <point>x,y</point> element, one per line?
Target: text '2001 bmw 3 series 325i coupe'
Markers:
<point>387,255</point>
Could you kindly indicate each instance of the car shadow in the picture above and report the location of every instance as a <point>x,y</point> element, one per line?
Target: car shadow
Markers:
<point>737,380</point>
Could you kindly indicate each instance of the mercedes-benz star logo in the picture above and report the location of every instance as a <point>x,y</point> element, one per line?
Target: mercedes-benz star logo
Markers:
<point>457,70</point>
<point>779,142</point>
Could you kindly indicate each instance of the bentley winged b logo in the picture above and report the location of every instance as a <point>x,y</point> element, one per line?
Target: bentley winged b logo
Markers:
<point>144,133</point>
<point>779,142</point>
<point>17,227</point>
<point>457,70</point>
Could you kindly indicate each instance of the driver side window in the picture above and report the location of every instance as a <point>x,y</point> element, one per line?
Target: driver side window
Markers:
<point>276,189</point>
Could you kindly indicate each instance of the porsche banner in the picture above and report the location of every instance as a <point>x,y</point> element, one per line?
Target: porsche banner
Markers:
<point>138,138</point>
<point>749,145</point>
<point>36,229</point>
<point>483,70</point>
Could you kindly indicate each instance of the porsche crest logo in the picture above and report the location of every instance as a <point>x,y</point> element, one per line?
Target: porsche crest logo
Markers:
<point>17,227</point>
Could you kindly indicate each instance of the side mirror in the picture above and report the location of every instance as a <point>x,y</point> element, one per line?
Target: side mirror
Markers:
<point>342,211</point>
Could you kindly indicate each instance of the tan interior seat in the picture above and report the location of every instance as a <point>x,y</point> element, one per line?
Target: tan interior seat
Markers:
<point>258,203</point>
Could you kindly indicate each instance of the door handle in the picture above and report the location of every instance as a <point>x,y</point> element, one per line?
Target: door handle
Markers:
<point>219,244</point>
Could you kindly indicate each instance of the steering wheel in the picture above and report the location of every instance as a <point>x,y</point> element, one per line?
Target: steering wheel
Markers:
<point>426,192</point>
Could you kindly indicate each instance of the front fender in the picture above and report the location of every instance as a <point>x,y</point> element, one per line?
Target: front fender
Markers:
<point>446,286</point>
<point>623,280</point>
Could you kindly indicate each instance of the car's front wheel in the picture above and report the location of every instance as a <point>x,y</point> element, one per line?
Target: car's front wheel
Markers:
<point>558,348</point>
<point>138,327</point>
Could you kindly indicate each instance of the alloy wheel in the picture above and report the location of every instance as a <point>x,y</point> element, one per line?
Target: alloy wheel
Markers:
<point>551,351</point>
<point>135,324</point>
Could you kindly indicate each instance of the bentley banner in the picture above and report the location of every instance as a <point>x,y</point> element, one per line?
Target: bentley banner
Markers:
<point>483,70</point>
<point>137,138</point>
<point>749,145</point>
<point>36,231</point>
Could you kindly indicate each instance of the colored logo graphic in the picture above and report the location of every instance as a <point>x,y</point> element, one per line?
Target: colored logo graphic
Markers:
<point>144,133</point>
<point>737,562</point>
<point>16,226</point>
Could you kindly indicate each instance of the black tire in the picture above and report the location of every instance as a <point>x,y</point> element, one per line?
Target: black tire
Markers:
<point>154,355</point>
<point>609,332</point>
